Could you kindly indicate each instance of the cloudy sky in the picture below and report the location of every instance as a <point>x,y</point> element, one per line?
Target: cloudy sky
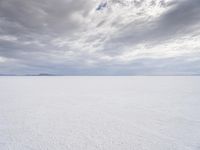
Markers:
<point>99,37</point>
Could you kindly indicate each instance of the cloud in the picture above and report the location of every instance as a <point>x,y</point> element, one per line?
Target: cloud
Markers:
<point>172,24</point>
<point>124,38</point>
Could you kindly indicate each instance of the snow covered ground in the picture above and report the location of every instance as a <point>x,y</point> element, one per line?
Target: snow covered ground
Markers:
<point>99,113</point>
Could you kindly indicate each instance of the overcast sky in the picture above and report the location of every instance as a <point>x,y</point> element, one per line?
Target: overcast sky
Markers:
<point>94,37</point>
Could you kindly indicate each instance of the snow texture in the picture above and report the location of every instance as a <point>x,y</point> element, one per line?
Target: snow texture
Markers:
<point>99,113</point>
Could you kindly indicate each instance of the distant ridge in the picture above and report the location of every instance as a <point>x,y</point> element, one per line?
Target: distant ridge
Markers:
<point>8,75</point>
<point>46,74</point>
<point>41,74</point>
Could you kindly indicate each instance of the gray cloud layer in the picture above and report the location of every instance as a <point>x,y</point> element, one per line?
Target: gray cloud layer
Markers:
<point>124,38</point>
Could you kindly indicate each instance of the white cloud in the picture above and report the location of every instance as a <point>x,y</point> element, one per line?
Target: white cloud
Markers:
<point>8,38</point>
<point>2,60</point>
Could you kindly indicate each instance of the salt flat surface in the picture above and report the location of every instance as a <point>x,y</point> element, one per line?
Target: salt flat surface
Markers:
<point>99,113</point>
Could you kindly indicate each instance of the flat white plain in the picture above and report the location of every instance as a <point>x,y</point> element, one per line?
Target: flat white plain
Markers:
<point>99,113</point>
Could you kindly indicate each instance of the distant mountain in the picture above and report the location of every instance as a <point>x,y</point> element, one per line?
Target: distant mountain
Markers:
<point>41,74</point>
<point>8,75</point>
